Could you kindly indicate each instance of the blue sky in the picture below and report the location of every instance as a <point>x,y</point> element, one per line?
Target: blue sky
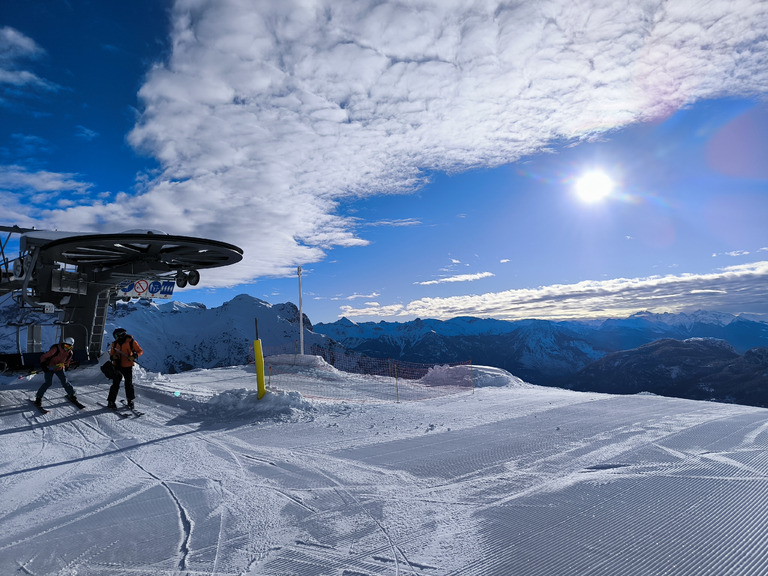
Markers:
<point>417,160</point>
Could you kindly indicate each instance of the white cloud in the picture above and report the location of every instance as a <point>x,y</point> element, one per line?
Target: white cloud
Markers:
<point>457,278</point>
<point>85,133</point>
<point>733,253</point>
<point>15,47</point>
<point>733,289</point>
<point>373,309</point>
<point>395,223</point>
<point>268,114</point>
<point>358,296</point>
<point>19,178</point>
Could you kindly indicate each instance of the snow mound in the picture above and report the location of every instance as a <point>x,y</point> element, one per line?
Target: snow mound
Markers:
<point>479,376</point>
<point>306,360</point>
<point>307,365</point>
<point>488,376</point>
<point>275,404</point>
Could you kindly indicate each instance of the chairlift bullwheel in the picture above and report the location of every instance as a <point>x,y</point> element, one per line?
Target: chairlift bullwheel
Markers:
<point>156,252</point>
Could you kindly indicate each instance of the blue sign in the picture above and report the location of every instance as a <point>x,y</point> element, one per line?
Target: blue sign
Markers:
<point>147,288</point>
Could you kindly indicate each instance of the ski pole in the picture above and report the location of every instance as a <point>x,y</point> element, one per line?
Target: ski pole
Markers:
<point>129,357</point>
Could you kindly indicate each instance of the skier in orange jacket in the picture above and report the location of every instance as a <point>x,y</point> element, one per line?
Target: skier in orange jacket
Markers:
<point>123,352</point>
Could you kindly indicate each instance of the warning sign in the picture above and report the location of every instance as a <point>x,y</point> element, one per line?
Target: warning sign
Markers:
<point>146,289</point>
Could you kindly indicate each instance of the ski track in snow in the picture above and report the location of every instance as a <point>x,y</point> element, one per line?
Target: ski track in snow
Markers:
<point>511,480</point>
<point>185,523</point>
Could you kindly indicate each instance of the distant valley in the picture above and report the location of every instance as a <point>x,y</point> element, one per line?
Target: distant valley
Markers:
<point>703,355</point>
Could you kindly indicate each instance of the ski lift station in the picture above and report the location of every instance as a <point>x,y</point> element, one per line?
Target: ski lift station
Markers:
<point>69,279</point>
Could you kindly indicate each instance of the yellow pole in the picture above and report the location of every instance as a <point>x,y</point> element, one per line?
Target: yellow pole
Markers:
<point>258,356</point>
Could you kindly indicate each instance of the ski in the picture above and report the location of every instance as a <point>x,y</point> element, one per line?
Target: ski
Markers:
<point>133,410</point>
<point>79,405</point>
<point>116,411</point>
<point>40,408</point>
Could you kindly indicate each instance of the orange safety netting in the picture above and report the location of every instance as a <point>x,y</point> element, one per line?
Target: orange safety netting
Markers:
<point>336,373</point>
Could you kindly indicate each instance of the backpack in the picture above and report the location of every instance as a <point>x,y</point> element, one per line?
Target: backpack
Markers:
<point>58,347</point>
<point>109,370</point>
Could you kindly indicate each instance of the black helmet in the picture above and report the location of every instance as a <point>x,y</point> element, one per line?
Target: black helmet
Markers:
<point>119,333</point>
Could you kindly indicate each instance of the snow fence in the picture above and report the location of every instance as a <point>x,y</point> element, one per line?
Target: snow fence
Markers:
<point>381,379</point>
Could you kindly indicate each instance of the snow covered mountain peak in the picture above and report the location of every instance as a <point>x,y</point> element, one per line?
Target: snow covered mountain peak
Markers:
<point>177,337</point>
<point>687,320</point>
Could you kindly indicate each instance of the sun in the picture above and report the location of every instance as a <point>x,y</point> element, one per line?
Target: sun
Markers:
<point>593,186</point>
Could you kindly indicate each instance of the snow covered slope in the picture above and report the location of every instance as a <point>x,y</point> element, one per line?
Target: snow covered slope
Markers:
<point>177,337</point>
<point>513,479</point>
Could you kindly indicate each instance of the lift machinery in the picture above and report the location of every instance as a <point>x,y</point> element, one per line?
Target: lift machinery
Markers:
<point>74,277</point>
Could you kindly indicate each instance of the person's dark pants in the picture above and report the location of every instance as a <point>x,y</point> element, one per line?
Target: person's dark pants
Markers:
<point>61,375</point>
<point>122,372</point>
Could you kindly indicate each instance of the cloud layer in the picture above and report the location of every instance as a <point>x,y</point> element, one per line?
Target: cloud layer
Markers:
<point>269,114</point>
<point>733,289</point>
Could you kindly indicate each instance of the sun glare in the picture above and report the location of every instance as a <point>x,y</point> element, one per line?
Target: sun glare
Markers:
<point>594,186</point>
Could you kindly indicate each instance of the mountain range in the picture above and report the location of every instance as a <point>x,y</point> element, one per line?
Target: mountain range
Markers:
<point>695,368</point>
<point>539,351</point>
<point>702,355</point>
<point>177,337</point>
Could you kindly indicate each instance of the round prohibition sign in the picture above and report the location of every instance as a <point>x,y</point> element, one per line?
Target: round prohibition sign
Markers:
<point>140,287</point>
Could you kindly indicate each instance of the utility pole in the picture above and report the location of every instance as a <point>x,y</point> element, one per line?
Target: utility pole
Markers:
<point>301,318</point>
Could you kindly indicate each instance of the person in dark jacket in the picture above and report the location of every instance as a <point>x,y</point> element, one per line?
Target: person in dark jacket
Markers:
<point>123,352</point>
<point>56,361</point>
